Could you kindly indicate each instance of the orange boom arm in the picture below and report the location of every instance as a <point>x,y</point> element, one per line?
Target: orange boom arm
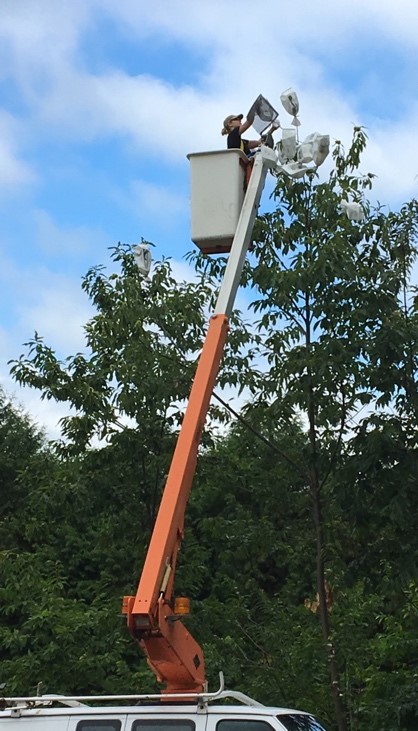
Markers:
<point>172,653</point>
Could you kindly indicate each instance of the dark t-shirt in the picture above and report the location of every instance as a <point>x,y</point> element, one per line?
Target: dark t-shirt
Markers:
<point>234,141</point>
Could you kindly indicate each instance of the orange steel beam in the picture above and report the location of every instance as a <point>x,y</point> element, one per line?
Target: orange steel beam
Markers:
<point>172,653</point>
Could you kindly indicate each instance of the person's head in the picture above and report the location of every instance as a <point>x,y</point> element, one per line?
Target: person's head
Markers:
<point>233,120</point>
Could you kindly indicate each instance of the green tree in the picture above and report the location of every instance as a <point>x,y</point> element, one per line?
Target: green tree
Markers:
<point>336,332</point>
<point>22,449</point>
<point>127,390</point>
<point>140,350</point>
<point>70,550</point>
<point>378,606</point>
<point>249,520</point>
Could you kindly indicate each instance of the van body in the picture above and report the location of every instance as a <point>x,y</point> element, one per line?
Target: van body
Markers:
<point>62,714</point>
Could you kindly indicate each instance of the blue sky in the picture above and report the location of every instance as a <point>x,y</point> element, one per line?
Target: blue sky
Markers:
<point>101,100</point>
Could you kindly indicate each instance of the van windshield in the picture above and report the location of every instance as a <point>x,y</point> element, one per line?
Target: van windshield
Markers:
<point>299,722</point>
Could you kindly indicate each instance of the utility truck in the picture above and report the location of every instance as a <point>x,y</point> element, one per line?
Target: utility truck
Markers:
<point>153,614</point>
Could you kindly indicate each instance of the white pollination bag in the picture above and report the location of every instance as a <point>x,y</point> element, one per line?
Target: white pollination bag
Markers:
<point>354,211</point>
<point>143,259</point>
<point>290,101</point>
<point>294,170</point>
<point>320,148</point>
<point>314,148</point>
<point>287,146</point>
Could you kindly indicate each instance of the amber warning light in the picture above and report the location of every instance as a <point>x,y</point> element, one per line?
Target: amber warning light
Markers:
<point>182,605</point>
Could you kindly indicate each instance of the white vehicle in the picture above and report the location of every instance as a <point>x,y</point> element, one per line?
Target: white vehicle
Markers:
<point>33,714</point>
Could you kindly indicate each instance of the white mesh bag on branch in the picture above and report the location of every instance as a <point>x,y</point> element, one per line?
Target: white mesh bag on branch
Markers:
<point>314,148</point>
<point>320,148</point>
<point>287,147</point>
<point>305,150</point>
<point>143,259</point>
<point>294,170</point>
<point>354,211</point>
<point>290,101</point>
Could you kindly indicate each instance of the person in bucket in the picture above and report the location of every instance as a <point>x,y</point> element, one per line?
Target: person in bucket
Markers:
<point>234,127</point>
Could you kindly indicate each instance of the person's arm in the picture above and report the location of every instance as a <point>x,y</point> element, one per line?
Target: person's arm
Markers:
<point>243,128</point>
<point>245,125</point>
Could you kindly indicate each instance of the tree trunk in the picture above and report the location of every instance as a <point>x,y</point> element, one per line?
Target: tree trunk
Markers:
<point>315,488</point>
<point>340,708</point>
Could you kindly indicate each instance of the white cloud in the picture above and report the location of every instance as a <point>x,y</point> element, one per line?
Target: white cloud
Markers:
<point>60,96</point>
<point>38,38</point>
<point>392,153</point>
<point>39,299</point>
<point>153,200</point>
<point>182,272</point>
<point>163,120</point>
<point>45,414</point>
<point>66,241</point>
<point>13,170</point>
<point>223,26</point>
<point>55,306</point>
<point>57,309</point>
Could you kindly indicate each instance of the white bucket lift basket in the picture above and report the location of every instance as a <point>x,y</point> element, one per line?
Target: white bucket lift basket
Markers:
<point>217,190</point>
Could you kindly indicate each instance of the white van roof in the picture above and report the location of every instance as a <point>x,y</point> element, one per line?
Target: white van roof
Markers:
<point>60,705</point>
